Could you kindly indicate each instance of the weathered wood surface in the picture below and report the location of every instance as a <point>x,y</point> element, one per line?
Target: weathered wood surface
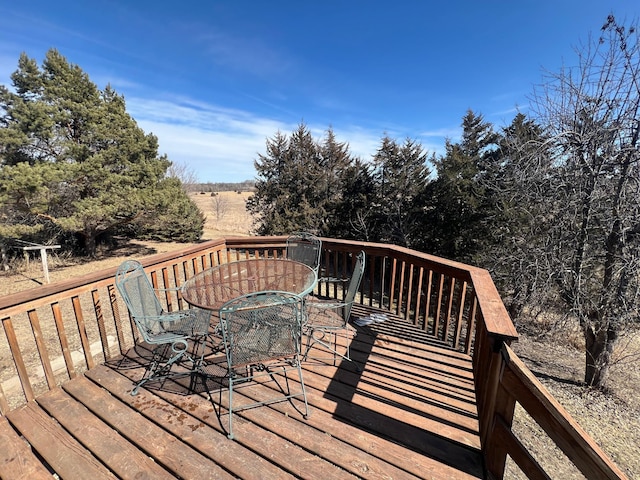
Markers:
<point>409,413</point>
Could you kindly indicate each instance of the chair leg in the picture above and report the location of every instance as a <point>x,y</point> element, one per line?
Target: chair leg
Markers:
<point>317,337</point>
<point>304,391</point>
<point>161,372</point>
<point>258,370</point>
<point>230,432</point>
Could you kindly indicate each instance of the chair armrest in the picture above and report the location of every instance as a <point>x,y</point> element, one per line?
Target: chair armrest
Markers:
<point>170,289</point>
<point>326,304</point>
<point>168,316</point>
<point>332,280</point>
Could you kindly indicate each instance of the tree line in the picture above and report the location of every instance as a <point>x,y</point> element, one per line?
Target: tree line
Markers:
<point>550,204</point>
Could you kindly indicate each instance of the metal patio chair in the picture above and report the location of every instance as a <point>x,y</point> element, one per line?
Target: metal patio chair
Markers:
<point>328,320</point>
<point>262,335</point>
<point>168,332</point>
<point>305,248</point>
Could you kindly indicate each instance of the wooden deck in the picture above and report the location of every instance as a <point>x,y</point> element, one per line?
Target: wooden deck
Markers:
<point>409,413</point>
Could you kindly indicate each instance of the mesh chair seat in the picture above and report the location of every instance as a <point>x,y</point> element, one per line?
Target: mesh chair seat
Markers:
<point>325,314</point>
<point>160,328</point>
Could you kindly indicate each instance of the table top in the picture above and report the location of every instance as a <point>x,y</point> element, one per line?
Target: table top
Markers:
<point>217,285</point>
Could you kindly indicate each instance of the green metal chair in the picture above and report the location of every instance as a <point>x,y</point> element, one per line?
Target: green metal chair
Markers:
<point>330,318</point>
<point>305,248</point>
<point>262,335</point>
<point>159,328</point>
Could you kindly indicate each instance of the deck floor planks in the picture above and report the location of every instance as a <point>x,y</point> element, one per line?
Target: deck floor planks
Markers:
<point>392,423</point>
<point>407,387</point>
<point>265,432</point>
<point>17,461</point>
<point>61,451</point>
<point>125,459</point>
<point>398,408</point>
<point>380,445</point>
<point>321,434</point>
<point>176,456</point>
<point>412,377</point>
<point>193,420</point>
<point>439,448</point>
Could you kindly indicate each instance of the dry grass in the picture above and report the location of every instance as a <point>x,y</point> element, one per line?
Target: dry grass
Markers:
<point>232,220</point>
<point>611,417</point>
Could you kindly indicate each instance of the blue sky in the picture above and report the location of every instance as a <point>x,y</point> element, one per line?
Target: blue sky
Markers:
<point>215,79</point>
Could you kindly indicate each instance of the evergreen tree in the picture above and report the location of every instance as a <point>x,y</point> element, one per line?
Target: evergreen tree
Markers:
<point>73,161</point>
<point>401,176</point>
<point>298,185</point>
<point>457,207</point>
<point>517,190</point>
<point>355,213</point>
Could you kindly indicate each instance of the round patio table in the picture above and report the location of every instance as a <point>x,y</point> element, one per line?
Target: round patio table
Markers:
<point>215,286</point>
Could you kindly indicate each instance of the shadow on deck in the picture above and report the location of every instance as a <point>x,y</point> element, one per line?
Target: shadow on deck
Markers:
<point>409,412</point>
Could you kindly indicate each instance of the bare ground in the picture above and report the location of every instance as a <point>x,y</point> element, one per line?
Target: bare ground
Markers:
<point>225,213</point>
<point>611,417</point>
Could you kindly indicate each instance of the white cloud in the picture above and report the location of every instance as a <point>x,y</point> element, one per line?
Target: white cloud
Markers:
<point>212,156</point>
<point>221,144</point>
<point>218,144</point>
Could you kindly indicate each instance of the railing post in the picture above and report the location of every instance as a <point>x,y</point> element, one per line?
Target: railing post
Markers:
<point>498,412</point>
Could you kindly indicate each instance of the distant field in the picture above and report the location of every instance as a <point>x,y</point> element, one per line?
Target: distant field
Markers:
<point>226,213</point>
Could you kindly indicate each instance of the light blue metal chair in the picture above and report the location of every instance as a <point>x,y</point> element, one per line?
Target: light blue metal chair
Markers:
<point>262,336</point>
<point>305,248</point>
<point>328,320</point>
<point>161,329</point>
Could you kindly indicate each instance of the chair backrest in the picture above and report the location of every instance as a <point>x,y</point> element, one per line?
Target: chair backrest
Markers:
<point>305,248</point>
<point>354,284</point>
<point>138,294</point>
<point>261,326</point>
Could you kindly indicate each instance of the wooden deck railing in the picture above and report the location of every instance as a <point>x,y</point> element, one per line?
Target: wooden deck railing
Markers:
<point>55,332</point>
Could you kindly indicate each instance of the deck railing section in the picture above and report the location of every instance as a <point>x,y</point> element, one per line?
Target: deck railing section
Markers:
<point>454,303</point>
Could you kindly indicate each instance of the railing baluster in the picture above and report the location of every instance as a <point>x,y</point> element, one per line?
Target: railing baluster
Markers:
<point>460,318</point>
<point>401,287</point>
<point>436,317</point>
<point>18,359</point>
<point>106,354</point>
<point>117,319</point>
<point>392,286</point>
<point>427,307</point>
<point>418,298</point>
<point>447,318</point>
<point>42,348</point>
<point>64,342</point>
<point>371,265</point>
<point>82,331</point>
<point>471,323</point>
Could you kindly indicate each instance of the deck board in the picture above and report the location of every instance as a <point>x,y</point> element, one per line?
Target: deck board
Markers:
<point>62,452</point>
<point>408,413</point>
<point>108,446</point>
<point>17,461</point>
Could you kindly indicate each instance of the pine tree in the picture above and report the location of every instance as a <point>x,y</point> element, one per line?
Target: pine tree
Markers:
<point>401,175</point>
<point>85,168</point>
<point>299,183</point>
<point>457,207</point>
